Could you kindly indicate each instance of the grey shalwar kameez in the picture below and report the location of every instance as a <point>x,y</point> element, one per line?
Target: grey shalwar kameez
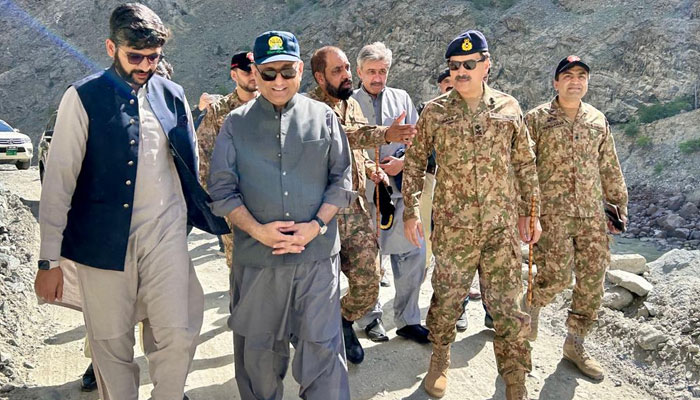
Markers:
<point>283,165</point>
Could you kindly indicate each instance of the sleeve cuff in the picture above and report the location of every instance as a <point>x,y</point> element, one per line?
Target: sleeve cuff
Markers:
<point>411,212</point>
<point>339,197</point>
<point>222,208</point>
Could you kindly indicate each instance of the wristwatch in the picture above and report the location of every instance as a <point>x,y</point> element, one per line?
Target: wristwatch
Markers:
<point>44,265</point>
<point>321,225</point>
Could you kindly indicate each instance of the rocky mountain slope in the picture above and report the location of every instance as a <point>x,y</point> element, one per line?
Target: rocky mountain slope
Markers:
<point>641,51</point>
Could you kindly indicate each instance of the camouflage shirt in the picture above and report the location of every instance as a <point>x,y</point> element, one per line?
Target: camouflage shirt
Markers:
<point>576,161</point>
<point>208,130</point>
<point>487,173</point>
<point>361,136</point>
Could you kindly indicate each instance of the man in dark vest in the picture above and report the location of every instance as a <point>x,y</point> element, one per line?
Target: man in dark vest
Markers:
<point>121,186</point>
<point>281,171</point>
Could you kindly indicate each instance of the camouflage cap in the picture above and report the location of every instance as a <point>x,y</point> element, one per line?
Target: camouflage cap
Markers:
<point>466,43</point>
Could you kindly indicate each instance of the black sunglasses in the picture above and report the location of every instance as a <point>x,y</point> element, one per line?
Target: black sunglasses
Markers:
<point>468,64</point>
<point>270,74</point>
<point>136,59</point>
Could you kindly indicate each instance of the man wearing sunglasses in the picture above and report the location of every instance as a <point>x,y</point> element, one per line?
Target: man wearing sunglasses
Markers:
<point>121,187</point>
<point>215,113</point>
<point>578,169</point>
<point>487,180</point>
<point>358,253</point>
<point>280,172</point>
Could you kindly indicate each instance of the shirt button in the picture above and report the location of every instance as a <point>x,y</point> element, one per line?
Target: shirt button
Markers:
<point>131,101</point>
<point>279,154</point>
<point>277,117</point>
<point>278,136</point>
<point>133,93</point>
<point>132,142</point>
<point>286,193</point>
<point>284,173</point>
<point>132,121</point>
<point>126,205</point>
<point>128,182</point>
<point>130,163</point>
<point>286,214</point>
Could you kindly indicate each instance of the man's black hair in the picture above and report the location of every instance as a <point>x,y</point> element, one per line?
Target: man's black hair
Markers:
<point>137,26</point>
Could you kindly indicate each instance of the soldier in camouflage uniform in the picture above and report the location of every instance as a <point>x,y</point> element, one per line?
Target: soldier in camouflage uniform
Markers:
<point>487,179</point>
<point>359,249</point>
<point>578,169</point>
<point>216,112</point>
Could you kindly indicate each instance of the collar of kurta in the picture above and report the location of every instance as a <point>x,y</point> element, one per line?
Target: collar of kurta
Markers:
<point>487,99</point>
<point>555,109</point>
<point>269,107</point>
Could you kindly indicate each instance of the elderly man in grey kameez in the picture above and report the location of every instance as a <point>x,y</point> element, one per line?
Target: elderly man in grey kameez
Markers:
<point>280,171</point>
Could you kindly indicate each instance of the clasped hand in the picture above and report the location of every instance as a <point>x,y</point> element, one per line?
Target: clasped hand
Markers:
<point>286,236</point>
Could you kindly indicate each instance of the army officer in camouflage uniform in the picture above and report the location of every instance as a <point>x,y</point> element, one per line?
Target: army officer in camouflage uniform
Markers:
<point>578,169</point>
<point>216,112</point>
<point>358,252</point>
<point>487,180</point>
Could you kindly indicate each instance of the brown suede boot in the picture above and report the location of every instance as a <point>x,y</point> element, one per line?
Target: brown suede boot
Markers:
<point>515,386</point>
<point>574,352</point>
<point>435,382</point>
<point>534,319</point>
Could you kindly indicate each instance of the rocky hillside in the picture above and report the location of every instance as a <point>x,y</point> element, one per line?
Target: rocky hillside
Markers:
<point>641,51</point>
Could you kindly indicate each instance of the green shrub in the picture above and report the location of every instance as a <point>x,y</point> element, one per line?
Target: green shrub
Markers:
<point>294,5</point>
<point>658,167</point>
<point>631,128</point>
<point>643,141</point>
<point>222,90</point>
<point>690,146</point>
<point>659,111</point>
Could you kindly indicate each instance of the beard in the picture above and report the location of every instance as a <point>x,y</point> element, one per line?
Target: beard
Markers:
<point>342,91</point>
<point>129,76</point>
<point>250,87</point>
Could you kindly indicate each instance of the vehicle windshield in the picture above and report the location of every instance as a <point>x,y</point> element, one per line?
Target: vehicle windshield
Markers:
<point>4,127</point>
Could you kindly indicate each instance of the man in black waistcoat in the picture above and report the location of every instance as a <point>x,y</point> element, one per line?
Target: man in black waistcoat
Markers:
<point>120,188</point>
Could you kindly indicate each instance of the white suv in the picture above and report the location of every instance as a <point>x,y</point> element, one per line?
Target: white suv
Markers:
<point>15,148</point>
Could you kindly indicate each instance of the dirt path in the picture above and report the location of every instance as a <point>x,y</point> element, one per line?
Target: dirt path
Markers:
<point>391,370</point>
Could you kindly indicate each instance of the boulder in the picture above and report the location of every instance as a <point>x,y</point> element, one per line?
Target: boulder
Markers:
<point>633,263</point>
<point>634,283</point>
<point>671,222</point>
<point>688,211</point>
<point>617,298</point>
<point>676,202</point>
<point>677,262</point>
<point>680,233</point>
<point>649,337</point>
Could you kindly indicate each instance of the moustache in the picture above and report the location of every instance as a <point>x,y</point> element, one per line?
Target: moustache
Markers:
<point>465,78</point>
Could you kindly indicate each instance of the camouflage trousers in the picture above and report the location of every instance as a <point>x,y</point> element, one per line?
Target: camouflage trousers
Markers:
<point>228,248</point>
<point>358,261</point>
<point>570,243</point>
<point>458,253</point>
